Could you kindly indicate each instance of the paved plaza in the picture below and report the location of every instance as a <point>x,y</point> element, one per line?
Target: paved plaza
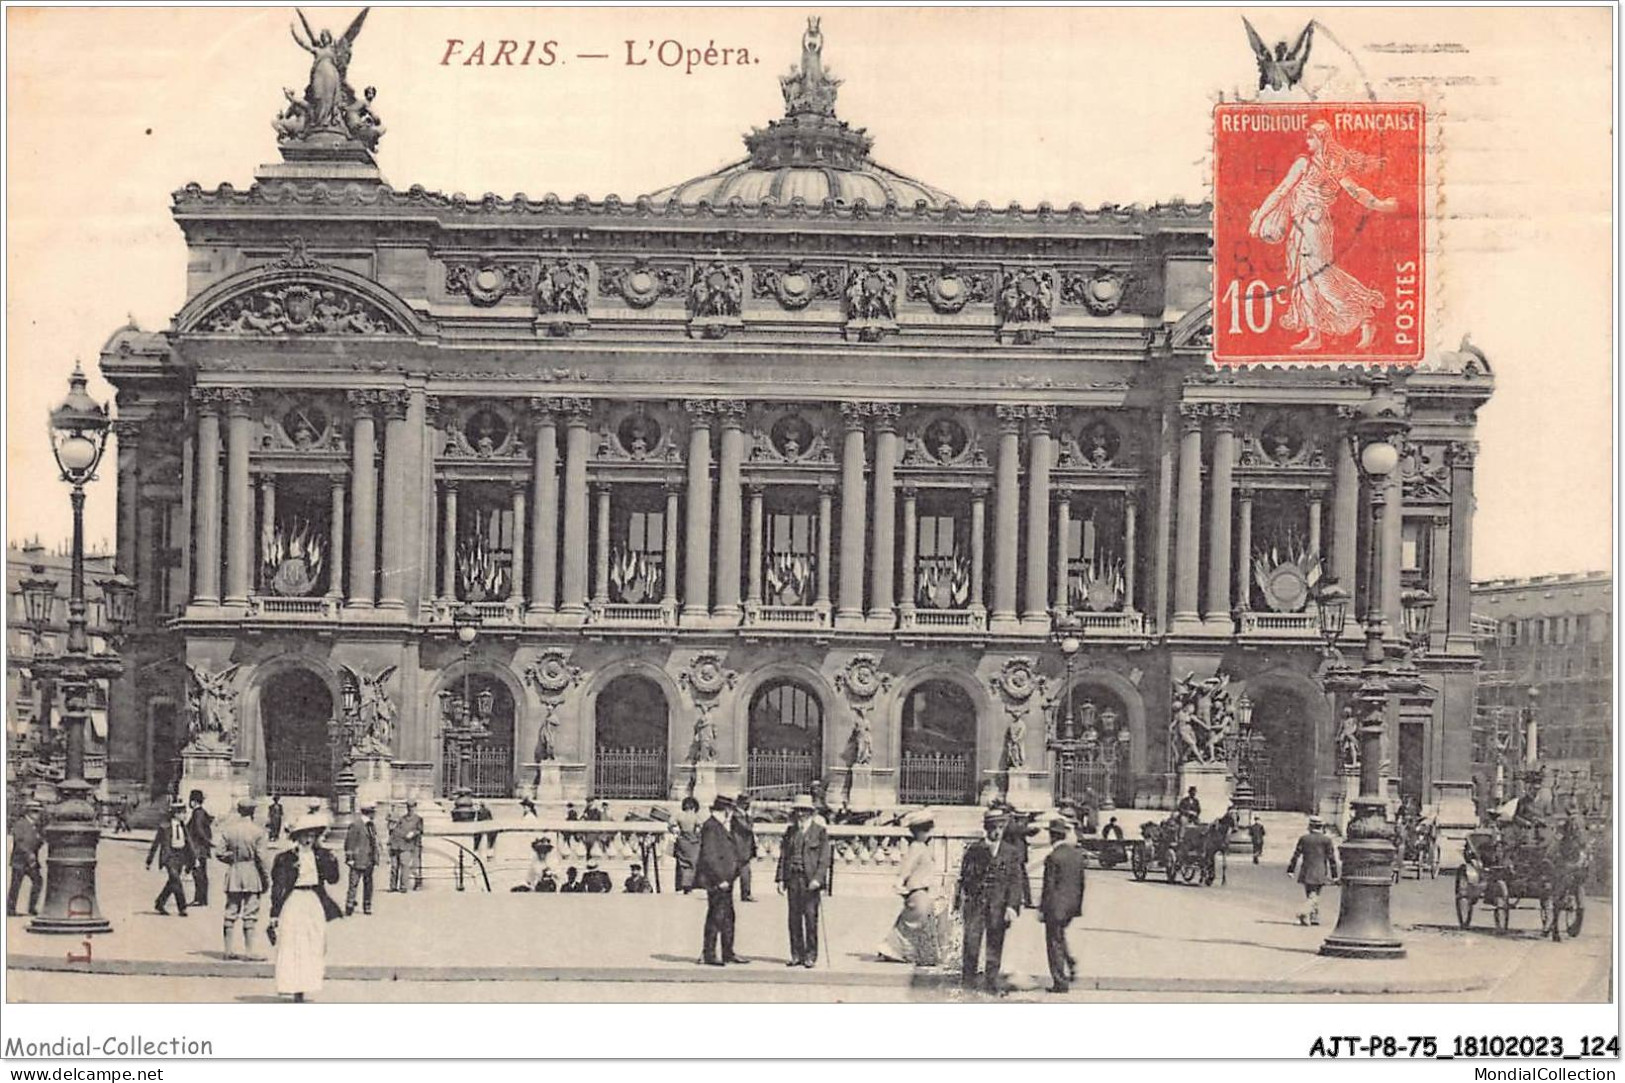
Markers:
<point>1135,940</point>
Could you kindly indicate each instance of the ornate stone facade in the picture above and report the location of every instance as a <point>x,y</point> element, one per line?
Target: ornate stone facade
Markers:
<point>773,488</point>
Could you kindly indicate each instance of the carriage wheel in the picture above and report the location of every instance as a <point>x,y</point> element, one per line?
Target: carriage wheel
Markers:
<point>1500,898</point>
<point>1465,898</point>
<point>1137,861</point>
<point>1575,904</point>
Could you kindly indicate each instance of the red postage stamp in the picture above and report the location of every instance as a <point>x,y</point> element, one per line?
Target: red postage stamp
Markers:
<point>1317,233</point>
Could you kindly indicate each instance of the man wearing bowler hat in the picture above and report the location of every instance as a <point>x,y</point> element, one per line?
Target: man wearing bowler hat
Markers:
<point>200,826</point>
<point>1315,861</point>
<point>803,871</point>
<point>1060,900</point>
<point>361,851</point>
<point>715,871</point>
<point>991,883</point>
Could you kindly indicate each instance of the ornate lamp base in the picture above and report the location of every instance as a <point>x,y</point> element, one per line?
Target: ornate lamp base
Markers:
<point>1363,930</point>
<point>70,907</point>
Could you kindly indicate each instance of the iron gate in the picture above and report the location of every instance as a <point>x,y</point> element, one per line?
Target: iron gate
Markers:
<point>629,774</point>
<point>936,778</point>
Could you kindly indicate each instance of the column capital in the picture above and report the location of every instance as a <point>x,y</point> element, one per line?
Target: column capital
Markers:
<point>238,400</point>
<point>1461,453</point>
<point>673,488</point>
<point>393,401</point>
<point>601,488</point>
<point>1346,412</point>
<point>853,415</point>
<point>336,481</point>
<point>700,409</point>
<point>449,485</point>
<point>910,491</point>
<point>544,410</point>
<point>1245,493</point>
<point>127,430</point>
<point>362,400</point>
<point>1224,415</point>
<point>755,489</point>
<point>731,412</point>
<point>979,492</point>
<point>206,399</point>
<point>885,415</point>
<point>827,487</point>
<point>1039,417</point>
<point>1191,415</point>
<point>1010,417</point>
<point>1439,520</point>
<point>575,410</point>
<point>1062,495</point>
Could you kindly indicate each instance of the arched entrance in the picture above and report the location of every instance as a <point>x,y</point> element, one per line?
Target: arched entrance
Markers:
<point>485,768</point>
<point>295,708</point>
<point>1092,722</point>
<point>786,739</point>
<point>630,727</point>
<point>1278,757</point>
<point>938,758</point>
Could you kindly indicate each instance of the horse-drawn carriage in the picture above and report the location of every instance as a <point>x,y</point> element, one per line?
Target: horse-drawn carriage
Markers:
<point>1504,870</point>
<point>1417,850</point>
<point>1182,850</point>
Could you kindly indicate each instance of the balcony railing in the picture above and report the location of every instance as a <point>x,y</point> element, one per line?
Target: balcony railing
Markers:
<point>787,616</point>
<point>268,605</point>
<point>967,620</point>
<point>1280,623</point>
<point>649,614</point>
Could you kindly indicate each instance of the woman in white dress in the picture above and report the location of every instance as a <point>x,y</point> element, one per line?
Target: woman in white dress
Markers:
<point>917,936</point>
<point>301,907</point>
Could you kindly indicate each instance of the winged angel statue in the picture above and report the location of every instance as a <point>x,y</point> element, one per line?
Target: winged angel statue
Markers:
<point>1282,69</point>
<point>329,103</point>
<point>211,708</point>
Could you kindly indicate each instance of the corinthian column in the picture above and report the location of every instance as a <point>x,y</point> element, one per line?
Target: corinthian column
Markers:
<point>1220,526</point>
<point>1461,455</point>
<point>1038,547</point>
<point>1188,539</point>
<point>1006,517</point>
<point>363,500</point>
<point>335,538</point>
<point>576,413</point>
<point>854,529</point>
<point>1244,543</point>
<point>730,526</point>
<point>516,585</point>
<point>911,548</point>
<point>1063,550</point>
<point>754,596</point>
<point>1345,509</point>
<point>239,494</point>
<point>697,557</point>
<point>208,496</point>
<point>544,509</point>
<point>826,512</point>
<point>883,562</point>
<point>600,574</point>
<point>267,522</point>
<point>396,535</point>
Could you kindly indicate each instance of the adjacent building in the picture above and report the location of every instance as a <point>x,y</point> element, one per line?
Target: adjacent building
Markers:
<point>798,469</point>
<point>1548,671</point>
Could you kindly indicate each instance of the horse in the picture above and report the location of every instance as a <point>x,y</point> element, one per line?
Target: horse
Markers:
<point>1568,860</point>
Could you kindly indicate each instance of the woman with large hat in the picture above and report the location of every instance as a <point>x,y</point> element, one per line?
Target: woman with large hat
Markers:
<point>301,907</point>
<point>918,935</point>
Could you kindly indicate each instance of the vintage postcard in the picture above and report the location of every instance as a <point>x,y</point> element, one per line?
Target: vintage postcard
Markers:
<point>866,509</point>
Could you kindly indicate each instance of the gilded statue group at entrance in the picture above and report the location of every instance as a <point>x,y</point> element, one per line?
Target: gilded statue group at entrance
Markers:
<point>1204,718</point>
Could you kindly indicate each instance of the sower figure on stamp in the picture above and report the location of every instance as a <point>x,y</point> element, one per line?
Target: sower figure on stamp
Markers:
<point>26,839</point>
<point>803,871</point>
<point>243,850</point>
<point>361,851</point>
<point>1061,900</point>
<point>172,849</point>
<point>1315,859</point>
<point>717,869</point>
<point>989,895</point>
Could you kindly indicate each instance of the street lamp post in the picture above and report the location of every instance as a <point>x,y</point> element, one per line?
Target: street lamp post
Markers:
<point>1066,630</point>
<point>1363,927</point>
<point>79,429</point>
<point>464,726</point>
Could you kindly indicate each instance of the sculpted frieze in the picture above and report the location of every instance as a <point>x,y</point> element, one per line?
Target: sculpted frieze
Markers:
<point>488,281</point>
<point>642,283</point>
<point>300,309</point>
<point>1101,290</point>
<point>797,285</point>
<point>949,290</point>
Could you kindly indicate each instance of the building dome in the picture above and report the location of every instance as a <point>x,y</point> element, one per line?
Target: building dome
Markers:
<point>809,154</point>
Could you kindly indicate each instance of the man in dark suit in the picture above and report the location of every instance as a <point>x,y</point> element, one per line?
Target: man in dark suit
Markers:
<point>744,835</point>
<point>989,895</point>
<point>273,818</point>
<point>26,839</point>
<point>172,848</point>
<point>715,871</point>
<point>1190,807</point>
<point>1059,901</point>
<point>361,851</point>
<point>200,830</point>
<point>1315,860</point>
<point>597,881</point>
<point>803,871</point>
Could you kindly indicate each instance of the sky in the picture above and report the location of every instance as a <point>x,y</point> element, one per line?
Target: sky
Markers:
<point>112,109</point>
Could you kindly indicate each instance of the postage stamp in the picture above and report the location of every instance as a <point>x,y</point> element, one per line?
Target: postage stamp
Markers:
<point>1318,232</point>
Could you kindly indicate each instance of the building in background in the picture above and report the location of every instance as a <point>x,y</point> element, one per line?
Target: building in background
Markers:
<point>36,746</point>
<point>789,471</point>
<point>1551,635</point>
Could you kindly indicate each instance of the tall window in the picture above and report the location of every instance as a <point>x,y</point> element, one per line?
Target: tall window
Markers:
<point>790,559</point>
<point>485,534</point>
<point>942,567</point>
<point>637,545</point>
<point>1094,557</point>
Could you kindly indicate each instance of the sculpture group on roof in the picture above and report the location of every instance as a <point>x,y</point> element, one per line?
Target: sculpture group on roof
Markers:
<point>330,105</point>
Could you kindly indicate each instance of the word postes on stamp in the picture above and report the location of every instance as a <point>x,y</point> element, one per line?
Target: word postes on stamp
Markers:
<point>1317,233</point>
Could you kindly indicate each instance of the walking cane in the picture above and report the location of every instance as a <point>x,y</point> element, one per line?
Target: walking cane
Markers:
<point>823,932</point>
